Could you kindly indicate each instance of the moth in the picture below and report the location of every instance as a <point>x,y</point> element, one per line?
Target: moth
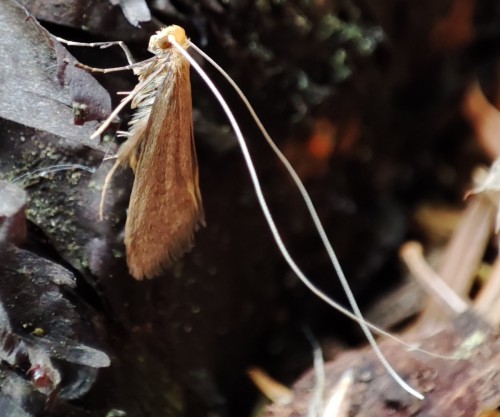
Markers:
<point>163,102</point>
<point>165,207</point>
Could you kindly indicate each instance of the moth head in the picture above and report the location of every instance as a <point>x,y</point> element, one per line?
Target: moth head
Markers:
<point>161,40</point>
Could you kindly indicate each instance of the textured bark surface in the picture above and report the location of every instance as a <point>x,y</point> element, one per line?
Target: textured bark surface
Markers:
<point>466,386</point>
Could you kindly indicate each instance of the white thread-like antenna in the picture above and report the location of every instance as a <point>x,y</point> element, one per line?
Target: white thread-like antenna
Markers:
<point>267,214</point>
<point>290,169</point>
<point>312,211</point>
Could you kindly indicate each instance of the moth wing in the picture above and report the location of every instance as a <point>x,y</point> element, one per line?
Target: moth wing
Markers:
<point>165,206</point>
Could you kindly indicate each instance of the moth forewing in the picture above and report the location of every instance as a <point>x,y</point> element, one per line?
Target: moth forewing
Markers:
<point>165,206</point>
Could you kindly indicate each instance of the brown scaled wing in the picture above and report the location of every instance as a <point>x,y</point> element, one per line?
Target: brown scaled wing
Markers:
<point>165,205</point>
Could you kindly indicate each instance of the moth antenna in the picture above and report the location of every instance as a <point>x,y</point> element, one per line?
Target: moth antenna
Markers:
<point>312,211</point>
<point>107,182</point>
<point>52,168</point>
<point>277,237</point>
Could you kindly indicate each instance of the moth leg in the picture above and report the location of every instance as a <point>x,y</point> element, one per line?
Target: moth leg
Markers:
<point>131,62</point>
<point>115,69</point>
<point>105,187</point>
<point>133,161</point>
<point>102,45</point>
<point>108,158</point>
<point>127,152</point>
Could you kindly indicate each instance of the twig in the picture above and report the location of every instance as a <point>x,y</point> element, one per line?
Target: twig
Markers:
<point>412,255</point>
<point>462,256</point>
<point>272,389</point>
<point>487,302</point>
<point>316,405</point>
<point>340,399</point>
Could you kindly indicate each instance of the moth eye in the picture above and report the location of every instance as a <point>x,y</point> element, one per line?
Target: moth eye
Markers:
<point>162,42</point>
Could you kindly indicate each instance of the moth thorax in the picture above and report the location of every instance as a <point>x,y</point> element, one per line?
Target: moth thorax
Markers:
<point>160,41</point>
